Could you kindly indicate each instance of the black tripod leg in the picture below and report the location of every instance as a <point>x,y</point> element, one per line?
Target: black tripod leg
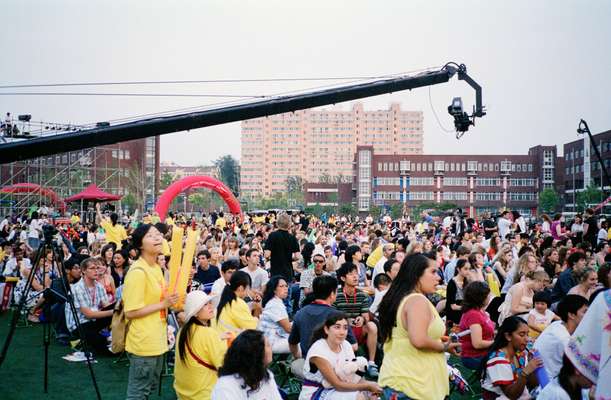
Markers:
<point>70,301</point>
<point>24,297</point>
<point>46,333</point>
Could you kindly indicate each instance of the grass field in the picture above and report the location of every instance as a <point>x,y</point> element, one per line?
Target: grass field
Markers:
<point>21,374</point>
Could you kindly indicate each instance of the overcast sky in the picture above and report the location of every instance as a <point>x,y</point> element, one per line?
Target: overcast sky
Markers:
<point>543,65</point>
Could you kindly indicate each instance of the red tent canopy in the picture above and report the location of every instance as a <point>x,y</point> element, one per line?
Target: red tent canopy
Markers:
<point>93,193</point>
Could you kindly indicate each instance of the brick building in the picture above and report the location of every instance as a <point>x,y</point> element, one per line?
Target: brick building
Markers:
<point>476,183</point>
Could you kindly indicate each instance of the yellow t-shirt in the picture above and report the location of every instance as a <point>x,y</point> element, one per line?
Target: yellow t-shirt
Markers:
<point>144,285</point>
<point>75,219</point>
<point>235,317</point>
<point>165,248</point>
<point>114,234</point>
<point>220,223</point>
<point>169,221</point>
<point>402,369</point>
<point>193,381</point>
<point>375,256</point>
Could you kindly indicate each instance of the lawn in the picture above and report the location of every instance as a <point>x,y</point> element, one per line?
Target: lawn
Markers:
<point>22,371</point>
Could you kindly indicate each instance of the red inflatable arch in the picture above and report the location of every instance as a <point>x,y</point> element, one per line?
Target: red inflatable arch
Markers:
<point>190,182</point>
<point>36,189</point>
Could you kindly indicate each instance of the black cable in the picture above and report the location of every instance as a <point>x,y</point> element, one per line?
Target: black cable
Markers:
<point>180,82</point>
<point>437,117</point>
<point>127,94</point>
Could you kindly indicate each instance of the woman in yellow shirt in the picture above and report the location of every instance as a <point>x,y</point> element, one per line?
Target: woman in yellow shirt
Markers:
<point>199,350</point>
<point>414,365</point>
<point>233,314</point>
<point>114,232</point>
<point>145,301</point>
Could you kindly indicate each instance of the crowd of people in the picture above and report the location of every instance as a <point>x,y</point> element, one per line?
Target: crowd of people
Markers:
<point>361,308</point>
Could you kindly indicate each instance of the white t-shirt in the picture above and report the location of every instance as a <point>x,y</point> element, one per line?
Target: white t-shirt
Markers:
<point>504,227</point>
<point>216,290</point>
<point>230,387</point>
<point>35,227</point>
<point>377,299</point>
<point>321,349</point>
<point>11,268</point>
<point>542,319</point>
<point>550,345</point>
<point>273,312</point>
<point>553,391</point>
<point>602,235</point>
<point>259,277</point>
<point>379,267</point>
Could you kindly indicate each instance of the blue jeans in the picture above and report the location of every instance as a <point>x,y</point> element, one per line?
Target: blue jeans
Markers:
<point>474,363</point>
<point>34,243</point>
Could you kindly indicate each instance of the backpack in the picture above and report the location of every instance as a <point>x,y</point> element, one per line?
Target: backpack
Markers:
<point>119,327</point>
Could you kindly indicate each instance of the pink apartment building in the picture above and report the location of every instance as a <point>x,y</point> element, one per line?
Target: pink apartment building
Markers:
<point>319,144</point>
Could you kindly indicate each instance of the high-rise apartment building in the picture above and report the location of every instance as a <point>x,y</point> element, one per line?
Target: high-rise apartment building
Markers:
<point>319,144</point>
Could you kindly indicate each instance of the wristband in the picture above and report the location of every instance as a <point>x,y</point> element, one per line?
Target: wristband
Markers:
<point>524,374</point>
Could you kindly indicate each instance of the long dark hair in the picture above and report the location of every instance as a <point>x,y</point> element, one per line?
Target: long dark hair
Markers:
<point>564,378</point>
<point>239,278</point>
<point>246,358</point>
<point>184,337</point>
<point>509,325</point>
<point>270,288</point>
<point>306,253</point>
<point>319,332</point>
<point>412,268</point>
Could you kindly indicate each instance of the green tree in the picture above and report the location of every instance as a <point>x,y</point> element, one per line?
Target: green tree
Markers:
<point>396,210</point>
<point>347,209</point>
<point>129,201</point>
<point>165,180</point>
<point>548,200</point>
<point>136,184</point>
<point>229,172</point>
<point>324,178</point>
<point>198,200</point>
<point>589,196</point>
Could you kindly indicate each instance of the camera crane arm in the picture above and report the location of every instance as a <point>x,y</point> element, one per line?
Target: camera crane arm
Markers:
<point>105,135</point>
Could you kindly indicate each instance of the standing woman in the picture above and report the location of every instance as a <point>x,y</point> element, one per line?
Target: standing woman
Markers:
<point>146,301</point>
<point>455,290</point>
<point>199,350</point>
<point>411,331</point>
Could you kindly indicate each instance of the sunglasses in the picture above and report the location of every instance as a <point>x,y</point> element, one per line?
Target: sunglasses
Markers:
<point>319,261</point>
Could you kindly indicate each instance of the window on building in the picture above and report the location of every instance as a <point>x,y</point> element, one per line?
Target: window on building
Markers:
<point>439,166</point>
<point>472,166</point>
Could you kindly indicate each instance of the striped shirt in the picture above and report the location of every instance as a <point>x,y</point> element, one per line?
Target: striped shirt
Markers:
<point>352,305</point>
<point>85,297</point>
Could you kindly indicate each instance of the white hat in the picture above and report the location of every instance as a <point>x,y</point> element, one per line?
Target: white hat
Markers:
<point>194,302</point>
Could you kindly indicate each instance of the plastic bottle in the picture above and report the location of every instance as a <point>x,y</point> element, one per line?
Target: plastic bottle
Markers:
<point>540,372</point>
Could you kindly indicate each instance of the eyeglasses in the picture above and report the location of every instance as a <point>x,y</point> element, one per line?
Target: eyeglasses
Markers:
<point>319,261</point>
